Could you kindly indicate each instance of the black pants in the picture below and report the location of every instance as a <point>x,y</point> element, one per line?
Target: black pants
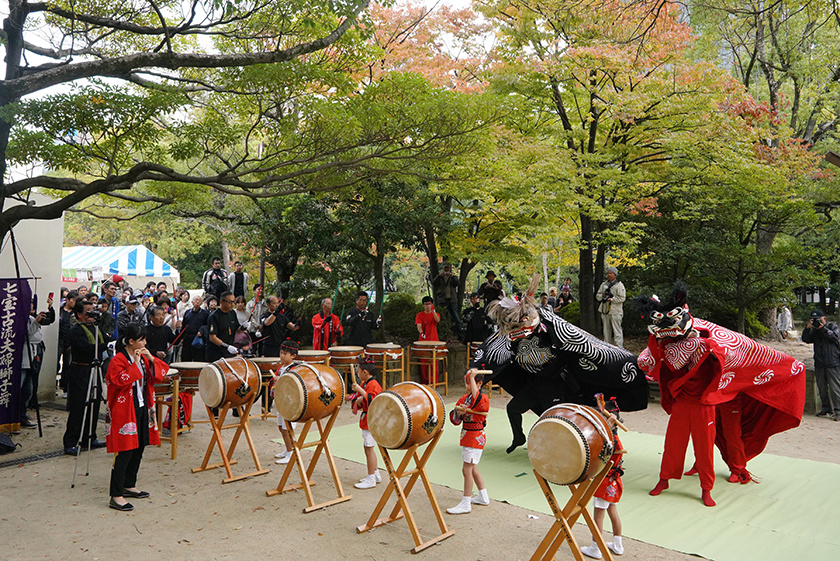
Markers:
<point>77,387</point>
<point>124,471</point>
<point>536,396</point>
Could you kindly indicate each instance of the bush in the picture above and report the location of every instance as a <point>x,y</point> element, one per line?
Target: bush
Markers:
<point>398,319</point>
<point>571,313</point>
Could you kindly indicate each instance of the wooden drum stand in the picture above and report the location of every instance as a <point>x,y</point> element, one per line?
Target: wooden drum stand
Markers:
<point>565,518</point>
<point>242,426</point>
<point>322,445</point>
<point>401,508</point>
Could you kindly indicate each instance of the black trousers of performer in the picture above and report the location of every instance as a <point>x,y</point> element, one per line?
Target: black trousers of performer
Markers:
<point>77,387</point>
<point>537,395</point>
<point>269,349</point>
<point>124,471</point>
<point>127,463</point>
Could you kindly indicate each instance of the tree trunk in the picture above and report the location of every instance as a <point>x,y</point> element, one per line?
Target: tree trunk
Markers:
<point>765,236</point>
<point>742,319</point>
<point>545,271</point>
<point>226,254</point>
<point>464,270</point>
<point>587,287</point>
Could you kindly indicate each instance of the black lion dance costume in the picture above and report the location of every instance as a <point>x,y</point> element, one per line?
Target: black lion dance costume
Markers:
<point>542,360</point>
<point>718,386</point>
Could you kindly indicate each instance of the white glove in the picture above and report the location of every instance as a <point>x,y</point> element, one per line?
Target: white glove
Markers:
<point>232,350</point>
<point>246,326</point>
<point>257,334</point>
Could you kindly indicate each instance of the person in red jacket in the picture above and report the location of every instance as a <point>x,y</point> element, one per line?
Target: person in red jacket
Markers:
<point>361,398</point>
<point>326,327</point>
<point>426,323</point>
<point>132,425</point>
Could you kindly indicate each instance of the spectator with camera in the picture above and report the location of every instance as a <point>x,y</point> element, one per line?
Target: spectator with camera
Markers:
<point>33,357</point>
<point>476,324</point>
<point>84,337</point>
<point>826,339</point>
<point>611,296</point>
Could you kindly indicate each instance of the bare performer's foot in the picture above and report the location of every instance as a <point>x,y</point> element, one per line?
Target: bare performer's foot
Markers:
<point>661,486</point>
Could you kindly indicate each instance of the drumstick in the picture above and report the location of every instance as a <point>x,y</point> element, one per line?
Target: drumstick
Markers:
<point>175,340</point>
<point>484,372</point>
<point>599,399</point>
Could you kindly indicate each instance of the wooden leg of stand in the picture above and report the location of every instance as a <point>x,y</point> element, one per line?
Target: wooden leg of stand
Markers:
<point>561,530</point>
<point>402,509</point>
<point>393,475</point>
<point>216,439</point>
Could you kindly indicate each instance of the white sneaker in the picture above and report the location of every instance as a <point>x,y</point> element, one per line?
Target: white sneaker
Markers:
<point>591,551</point>
<point>478,500</point>
<point>285,457</point>
<point>463,507</point>
<point>367,482</point>
<point>618,549</point>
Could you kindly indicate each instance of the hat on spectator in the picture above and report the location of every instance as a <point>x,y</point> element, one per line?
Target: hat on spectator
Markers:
<point>117,278</point>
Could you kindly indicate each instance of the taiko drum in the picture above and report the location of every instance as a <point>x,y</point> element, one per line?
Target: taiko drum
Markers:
<point>308,391</point>
<point>190,372</point>
<point>391,351</point>
<point>570,443</point>
<point>345,355</point>
<point>229,380</point>
<point>313,357</point>
<point>406,414</point>
<point>427,349</point>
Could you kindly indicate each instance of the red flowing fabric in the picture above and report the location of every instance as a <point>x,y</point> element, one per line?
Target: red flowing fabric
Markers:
<point>770,383</point>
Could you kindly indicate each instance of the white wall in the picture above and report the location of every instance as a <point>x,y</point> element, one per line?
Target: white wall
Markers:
<point>39,247</point>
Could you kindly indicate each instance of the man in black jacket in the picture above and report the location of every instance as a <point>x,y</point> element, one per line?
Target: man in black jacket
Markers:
<point>83,342</point>
<point>361,322</point>
<point>826,339</point>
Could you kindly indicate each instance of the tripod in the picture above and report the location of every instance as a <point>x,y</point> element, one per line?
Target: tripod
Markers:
<point>94,394</point>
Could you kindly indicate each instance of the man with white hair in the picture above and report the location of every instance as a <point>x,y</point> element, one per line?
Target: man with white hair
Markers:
<point>611,295</point>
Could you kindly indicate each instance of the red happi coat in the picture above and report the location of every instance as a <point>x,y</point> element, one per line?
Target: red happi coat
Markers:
<point>121,432</point>
<point>769,383</point>
<point>325,334</point>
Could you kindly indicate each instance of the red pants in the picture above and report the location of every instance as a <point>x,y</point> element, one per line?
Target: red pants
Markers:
<point>730,421</point>
<point>690,418</point>
<point>424,372</point>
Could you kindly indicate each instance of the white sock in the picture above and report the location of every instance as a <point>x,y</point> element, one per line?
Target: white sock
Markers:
<point>617,541</point>
<point>483,494</point>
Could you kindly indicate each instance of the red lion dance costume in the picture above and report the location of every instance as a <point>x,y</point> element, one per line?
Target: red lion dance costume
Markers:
<point>718,386</point>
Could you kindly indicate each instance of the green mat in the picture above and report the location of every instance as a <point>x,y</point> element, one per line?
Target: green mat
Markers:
<point>788,515</point>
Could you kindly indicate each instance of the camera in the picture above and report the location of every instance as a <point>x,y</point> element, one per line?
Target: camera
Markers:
<point>608,294</point>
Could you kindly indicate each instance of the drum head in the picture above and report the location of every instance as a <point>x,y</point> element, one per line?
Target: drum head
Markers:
<point>290,396</point>
<point>211,386</point>
<point>558,451</point>
<point>388,420</point>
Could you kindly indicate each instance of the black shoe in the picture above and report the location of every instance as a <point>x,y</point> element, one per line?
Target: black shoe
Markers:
<point>25,422</point>
<point>518,441</point>
<point>72,451</point>
<point>117,506</point>
<point>136,495</point>
<point>98,444</point>
<point>824,414</point>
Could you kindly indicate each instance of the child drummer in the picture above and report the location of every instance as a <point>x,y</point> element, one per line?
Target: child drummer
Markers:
<point>608,494</point>
<point>364,392</point>
<point>472,410</point>
<point>288,353</point>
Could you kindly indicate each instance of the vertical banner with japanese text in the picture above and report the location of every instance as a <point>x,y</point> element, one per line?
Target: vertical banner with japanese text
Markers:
<point>15,304</point>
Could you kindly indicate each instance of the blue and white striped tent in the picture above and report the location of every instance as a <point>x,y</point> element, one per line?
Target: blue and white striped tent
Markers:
<point>126,260</point>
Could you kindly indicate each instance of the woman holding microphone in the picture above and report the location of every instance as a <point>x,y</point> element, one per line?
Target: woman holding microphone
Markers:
<point>132,426</point>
